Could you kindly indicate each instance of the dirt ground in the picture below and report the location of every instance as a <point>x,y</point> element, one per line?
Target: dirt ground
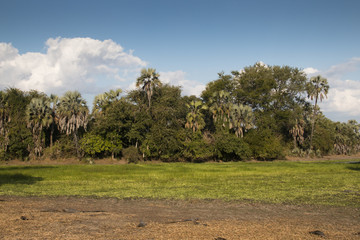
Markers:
<point>110,218</point>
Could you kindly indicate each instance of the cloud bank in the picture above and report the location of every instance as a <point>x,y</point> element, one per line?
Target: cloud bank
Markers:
<point>344,95</point>
<point>88,65</point>
<point>178,78</point>
<point>82,64</point>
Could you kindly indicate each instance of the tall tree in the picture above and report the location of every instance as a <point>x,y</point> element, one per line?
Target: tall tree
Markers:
<point>19,136</point>
<point>103,100</point>
<point>73,115</point>
<point>4,121</point>
<point>297,132</point>
<point>54,101</point>
<point>194,118</point>
<point>317,89</point>
<point>241,119</point>
<point>149,79</point>
<point>220,106</point>
<point>39,117</point>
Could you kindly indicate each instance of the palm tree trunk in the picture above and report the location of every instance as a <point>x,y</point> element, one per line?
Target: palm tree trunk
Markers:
<point>51,135</point>
<point>313,123</point>
<point>76,144</point>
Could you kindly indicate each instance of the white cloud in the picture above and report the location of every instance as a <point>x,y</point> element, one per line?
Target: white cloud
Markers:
<point>344,101</point>
<point>310,71</point>
<point>344,95</point>
<point>83,64</point>
<point>178,78</point>
<point>337,71</point>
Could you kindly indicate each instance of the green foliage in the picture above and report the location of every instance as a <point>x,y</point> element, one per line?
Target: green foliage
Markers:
<point>223,83</point>
<point>264,144</point>
<point>166,119</point>
<point>148,80</point>
<point>347,137</point>
<point>62,148</point>
<point>95,145</point>
<point>197,147</point>
<point>259,112</point>
<point>73,115</point>
<point>131,154</point>
<point>317,88</point>
<point>18,137</point>
<point>103,100</point>
<point>38,117</point>
<point>231,148</point>
<point>194,118</point>
<point>324,135</point>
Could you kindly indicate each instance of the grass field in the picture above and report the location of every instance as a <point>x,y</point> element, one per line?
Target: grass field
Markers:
<point>324,183</point>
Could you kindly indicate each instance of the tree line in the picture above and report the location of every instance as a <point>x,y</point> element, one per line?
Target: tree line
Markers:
<point>262,112</point>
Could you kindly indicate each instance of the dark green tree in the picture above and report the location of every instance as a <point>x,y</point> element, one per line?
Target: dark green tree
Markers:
<point>38,118</point>
<point>73,116</point>
<point>148,80</point>
<point>317,89</point>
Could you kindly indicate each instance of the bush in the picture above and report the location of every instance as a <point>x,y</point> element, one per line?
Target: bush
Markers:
<point>131,154</point>
<point>63,148</point>
<point>198,147</point>
<point>231,148</point>
<point>265,145</point>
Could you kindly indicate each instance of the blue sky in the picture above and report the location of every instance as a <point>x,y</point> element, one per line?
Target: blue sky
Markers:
<point>93,46</point>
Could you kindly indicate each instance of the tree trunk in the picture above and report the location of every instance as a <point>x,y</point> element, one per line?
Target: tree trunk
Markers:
<point>76,144</point>
<point>313,122</point>
<point>51,135</point>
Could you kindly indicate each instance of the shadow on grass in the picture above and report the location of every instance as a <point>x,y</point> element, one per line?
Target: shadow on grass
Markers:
<point>24,167</point>
<point>18,178</point>
<point>354,166</point>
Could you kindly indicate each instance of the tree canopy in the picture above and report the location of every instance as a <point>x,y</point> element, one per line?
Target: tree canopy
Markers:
<point>261,112</point>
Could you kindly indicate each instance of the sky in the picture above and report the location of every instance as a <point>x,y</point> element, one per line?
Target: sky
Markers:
<point>94,46</point>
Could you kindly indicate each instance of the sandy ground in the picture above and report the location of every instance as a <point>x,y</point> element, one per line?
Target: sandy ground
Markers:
<point>110,218</point>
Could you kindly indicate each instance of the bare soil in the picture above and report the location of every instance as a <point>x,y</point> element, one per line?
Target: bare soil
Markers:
<point>110,218</point>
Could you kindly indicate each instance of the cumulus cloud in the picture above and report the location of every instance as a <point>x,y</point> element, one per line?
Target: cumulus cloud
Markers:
<point>310,71</point>
<point>344,95</point>
<point>178,78</point>
<point>84,64</point>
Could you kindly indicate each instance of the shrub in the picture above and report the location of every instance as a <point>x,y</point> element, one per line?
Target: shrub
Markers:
<point>63,148</point>
<point>131,154</point>
<point>231,148</point>
<point>198,147</point>
<point>264,144</point>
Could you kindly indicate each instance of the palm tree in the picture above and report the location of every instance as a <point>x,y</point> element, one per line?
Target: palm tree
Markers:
<point>220,106</point>
<point>241,119</point>
<point>317,89</point>
<point>149,79</point>
<point>103,100</point>
<point>194,119</point>
<point>54,101</point>
<point>73,115</point>
<point>297,132</point>
<point>38,117</point>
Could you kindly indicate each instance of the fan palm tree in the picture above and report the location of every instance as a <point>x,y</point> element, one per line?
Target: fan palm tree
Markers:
<point>241,119</point>
<point>38,117</point>
<point>54,101</point>
<point>73,115</point>
<point>194,119</point>
<point>149,79</point>
<point>297,132</point>
<point>317,89</point>
<point>220,106</point>
<point>103,100</point>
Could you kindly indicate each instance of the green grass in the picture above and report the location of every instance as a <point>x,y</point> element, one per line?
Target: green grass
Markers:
<point>324,183</point>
